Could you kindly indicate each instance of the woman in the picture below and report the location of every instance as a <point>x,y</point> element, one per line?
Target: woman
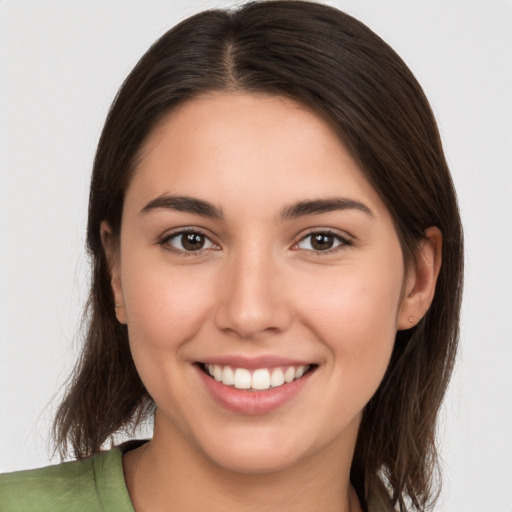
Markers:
<point>276,276</point>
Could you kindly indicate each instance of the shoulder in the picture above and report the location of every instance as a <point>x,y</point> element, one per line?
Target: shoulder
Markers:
<point>93,484</point>
<point>50,488</point>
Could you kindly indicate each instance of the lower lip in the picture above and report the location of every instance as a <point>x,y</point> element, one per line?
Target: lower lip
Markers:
<point>253,403</point>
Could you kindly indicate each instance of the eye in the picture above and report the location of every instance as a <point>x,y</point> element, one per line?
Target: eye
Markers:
<point>321,241</point>
<point>188,242</point>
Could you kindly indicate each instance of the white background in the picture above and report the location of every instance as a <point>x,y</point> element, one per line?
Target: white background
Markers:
<point>61,63</point>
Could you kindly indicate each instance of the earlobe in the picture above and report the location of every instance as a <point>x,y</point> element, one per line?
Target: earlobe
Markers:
<point>421,280</point>
<point>111,248</point>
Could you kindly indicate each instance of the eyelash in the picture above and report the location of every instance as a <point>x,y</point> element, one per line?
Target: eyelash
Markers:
<point>164,242</point>
<point>343,241</point>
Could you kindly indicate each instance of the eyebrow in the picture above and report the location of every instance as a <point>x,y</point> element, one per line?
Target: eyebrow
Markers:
<point>184,204</point>
<point>318,206</point>
<point>301,208</point>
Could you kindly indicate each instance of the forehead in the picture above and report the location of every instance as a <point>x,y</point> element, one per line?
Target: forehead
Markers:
<point>245,147</point>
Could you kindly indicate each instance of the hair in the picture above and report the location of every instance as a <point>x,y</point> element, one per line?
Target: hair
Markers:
<point>337,67</point>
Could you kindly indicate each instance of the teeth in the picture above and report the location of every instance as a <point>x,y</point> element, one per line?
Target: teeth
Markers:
<point>217,373</point>
<point>259,380</point>
<point>242,378</point>
<point>277,378</point>
<point>289,374</point>
<point>228,376</point>
<point>299,372</point>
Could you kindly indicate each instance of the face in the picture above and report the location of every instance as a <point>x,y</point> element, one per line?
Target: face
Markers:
<point>261,280</point>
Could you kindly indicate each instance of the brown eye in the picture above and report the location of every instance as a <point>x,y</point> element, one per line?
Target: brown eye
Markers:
<point>192,241</point>
<point>321,242</point>
<point>187,242</point>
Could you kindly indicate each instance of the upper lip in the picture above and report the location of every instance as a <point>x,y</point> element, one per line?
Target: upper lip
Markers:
<point>252,363</point>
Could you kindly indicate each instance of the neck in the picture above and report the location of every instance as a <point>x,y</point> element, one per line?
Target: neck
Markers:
<point>169,473</point>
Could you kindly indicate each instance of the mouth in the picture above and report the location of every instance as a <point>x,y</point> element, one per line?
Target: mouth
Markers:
<point>258,379</point>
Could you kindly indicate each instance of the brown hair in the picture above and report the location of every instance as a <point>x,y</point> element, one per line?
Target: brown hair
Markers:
<point>338,67</point>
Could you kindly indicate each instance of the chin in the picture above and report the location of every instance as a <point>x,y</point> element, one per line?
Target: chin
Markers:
<point>255,462</point>
<point>257,454</point>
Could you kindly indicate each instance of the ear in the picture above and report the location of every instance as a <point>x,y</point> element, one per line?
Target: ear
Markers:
<point>421,278</point>
<point>111,248</point>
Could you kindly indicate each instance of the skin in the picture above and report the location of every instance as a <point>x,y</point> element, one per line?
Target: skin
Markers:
<point>257,288</point>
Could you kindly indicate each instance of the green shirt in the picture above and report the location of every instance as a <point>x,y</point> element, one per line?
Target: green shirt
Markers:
<point>95,484</point>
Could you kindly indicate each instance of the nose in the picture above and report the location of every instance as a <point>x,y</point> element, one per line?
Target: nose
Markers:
<point>252,296</point>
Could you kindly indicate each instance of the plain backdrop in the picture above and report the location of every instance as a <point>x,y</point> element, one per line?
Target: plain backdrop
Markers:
<point>61,63</point>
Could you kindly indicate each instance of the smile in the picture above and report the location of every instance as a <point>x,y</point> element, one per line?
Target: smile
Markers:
<point>259,379</point>
<point>254,386</point>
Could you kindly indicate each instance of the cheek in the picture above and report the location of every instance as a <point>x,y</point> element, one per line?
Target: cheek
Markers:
<point>165,310</point>
<point>356,303</point>
<point>354,314</point>
<point>165,307</point>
